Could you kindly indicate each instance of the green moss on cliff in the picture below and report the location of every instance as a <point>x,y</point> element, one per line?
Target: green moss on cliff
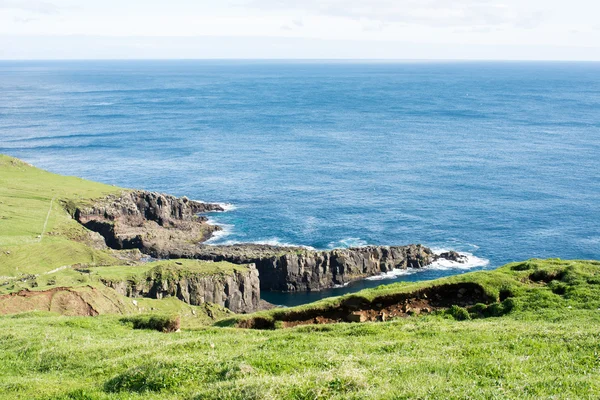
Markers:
<point>168,269</point>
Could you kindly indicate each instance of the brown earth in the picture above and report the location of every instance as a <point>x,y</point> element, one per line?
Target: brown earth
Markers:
<point>81,301</point>
<point>356,309</point>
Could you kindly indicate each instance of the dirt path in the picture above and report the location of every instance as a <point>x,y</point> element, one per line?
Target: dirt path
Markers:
<point>46,222</point>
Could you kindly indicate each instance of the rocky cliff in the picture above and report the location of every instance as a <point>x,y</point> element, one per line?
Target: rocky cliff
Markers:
<point>147,220</point>
<point>301,269</point>
<point>167,227</point>
<point>238,291</point>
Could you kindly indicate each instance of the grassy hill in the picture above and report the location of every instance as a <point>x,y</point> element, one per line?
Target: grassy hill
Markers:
<point>37,234</point>
<point>43,250</point>
<point>527,330</point>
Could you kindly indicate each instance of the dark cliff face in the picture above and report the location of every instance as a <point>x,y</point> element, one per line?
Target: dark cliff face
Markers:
<point>239,292</point>
<point>144,220</point>
<point>299,269</point>
<point>167,227</point>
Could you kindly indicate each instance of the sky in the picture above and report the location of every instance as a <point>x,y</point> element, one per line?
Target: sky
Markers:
<point>305,29</point>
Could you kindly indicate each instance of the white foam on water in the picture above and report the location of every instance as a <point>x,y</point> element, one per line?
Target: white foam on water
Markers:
<point>341,286</point>
<point>277,242</point>
<point>347,243</point>
<point>471,262</point>
<point>439,265</point>
<point>226,230</point>
<point>267,242</point>
<point>393,274</point>
<point>227,207</point>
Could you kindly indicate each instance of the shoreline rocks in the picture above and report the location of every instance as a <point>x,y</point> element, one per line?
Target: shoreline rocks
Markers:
<point>292,269</point>
<point>167,227</point>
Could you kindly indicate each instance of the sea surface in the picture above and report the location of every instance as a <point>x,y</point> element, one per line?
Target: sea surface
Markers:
<point>499,160</point>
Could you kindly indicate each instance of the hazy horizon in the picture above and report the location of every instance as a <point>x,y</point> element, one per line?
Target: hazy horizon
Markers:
<point>328,29</point>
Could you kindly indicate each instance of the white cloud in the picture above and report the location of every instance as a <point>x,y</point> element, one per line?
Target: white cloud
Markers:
<point>433,13</point>
<point>444,24</point>
<point>34,6</point>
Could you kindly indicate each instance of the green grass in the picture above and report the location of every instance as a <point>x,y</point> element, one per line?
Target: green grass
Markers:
<point>176,268</point>
<point>518,356</point>
<point>37,234</point>
<point>546,346</point>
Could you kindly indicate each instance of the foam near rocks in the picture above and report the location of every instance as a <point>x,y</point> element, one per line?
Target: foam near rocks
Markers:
<point>441,264</point>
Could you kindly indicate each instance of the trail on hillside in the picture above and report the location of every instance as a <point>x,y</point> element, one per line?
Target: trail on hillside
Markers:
<point>46,221</point>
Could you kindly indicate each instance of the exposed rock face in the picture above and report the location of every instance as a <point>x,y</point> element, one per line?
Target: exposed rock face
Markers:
<point>239,292</point>
<point>167,227</point>
<point>147,220</point>
<point>453,256</point>
<point>299,269</point>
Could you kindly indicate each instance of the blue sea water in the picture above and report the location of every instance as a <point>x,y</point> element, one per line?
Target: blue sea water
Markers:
<point>497,159</point>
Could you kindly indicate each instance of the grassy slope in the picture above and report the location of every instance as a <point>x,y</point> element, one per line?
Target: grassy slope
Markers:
<point>27,197</point>
<point>547,346</point>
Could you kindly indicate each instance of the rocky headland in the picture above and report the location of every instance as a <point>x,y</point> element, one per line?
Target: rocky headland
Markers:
<point>167,227</point>
<point>148,221</point>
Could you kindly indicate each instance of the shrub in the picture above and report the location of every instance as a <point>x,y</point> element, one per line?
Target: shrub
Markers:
<point>161,323</point>
<point>524,266</point>
<point>493,310</point>
<point>505,293</point>
<point>477,310</point>
<point>459,313</point>
<point>509,305</point>
<point>543,275</point>
<point>558,287</point>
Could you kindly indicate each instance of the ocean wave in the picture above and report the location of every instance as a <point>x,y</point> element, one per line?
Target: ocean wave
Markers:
<point>341,286</point>
<point>393,274</point>
<point>227,207</point>
<point>472,261</point>
<point>268,242</point>
<point>347,243</point>
<point>277,242</point>
<point>439,265</point>
<point>217,236</point>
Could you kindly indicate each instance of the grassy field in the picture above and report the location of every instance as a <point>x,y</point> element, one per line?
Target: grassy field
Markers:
<point>525,355</point>
<point>546,346</point>
<point>36,233</point>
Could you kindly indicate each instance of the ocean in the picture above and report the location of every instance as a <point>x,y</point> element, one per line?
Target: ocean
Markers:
<point>498,160</point>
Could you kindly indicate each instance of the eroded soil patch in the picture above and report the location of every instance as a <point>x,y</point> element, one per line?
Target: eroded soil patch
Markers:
<point>62,300</point>
<point>357,309</point>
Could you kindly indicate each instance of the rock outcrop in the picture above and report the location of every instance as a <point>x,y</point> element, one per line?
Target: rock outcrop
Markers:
<point>292,269</point>
<point>238,291</point>
<point>148,221</point>
<point>166,227</point>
